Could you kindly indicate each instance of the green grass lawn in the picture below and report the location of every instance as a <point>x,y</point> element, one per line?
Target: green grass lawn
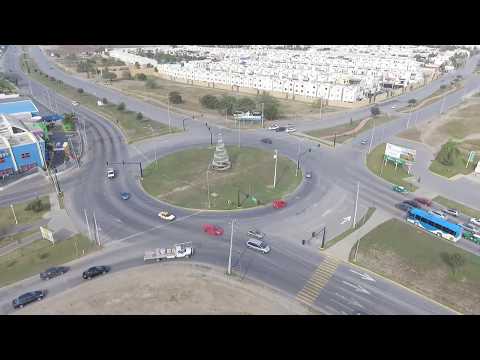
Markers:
<point>339,129</point>
<point>387,171</point>
<point>455,205</point>
<point>134,129</point>
<point>17,237</point>
<point>252,172</point>
<point>23,216</point>
<point>39,255</point>
<point>460,162</point>
<point>411,134</point>
<point>359,224</point>
<point>417,260</point>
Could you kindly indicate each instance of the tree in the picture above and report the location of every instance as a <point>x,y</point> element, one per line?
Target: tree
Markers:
<point>139,116</point>
<point>141,77</point>
<point>175,97</point>
<point>246,104</point>
<point>412,102</point>
<point>448,154</point>
<point>271,109</point>
<point>121,106</point>
<point>227,102</point>
<point>375,110</point>
<point>105,101</point>
<point>109,75</point>
<point>137,65</point>
<point>443,87</point>
<point>80,90</point>
<point>209,101</point>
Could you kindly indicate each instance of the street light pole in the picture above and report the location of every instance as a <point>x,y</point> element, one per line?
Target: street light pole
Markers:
<point>263,105</point>
<point>88,224</point>
<point>169,122</point>
<point>208,191</point>
<point>356,204</point>
<point>275,173</point>
<point>229,271</point>
<point>96,228</point>
<point>371,139</point>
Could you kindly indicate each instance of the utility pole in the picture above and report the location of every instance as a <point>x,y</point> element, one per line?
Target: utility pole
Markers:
<point>443,103</point>
<point>371,139</point>
<point>96,228</point>
<point>15,216</point>
<point>169,122</point>
<point>323,238</point>
<point>88,225</point>
<point>208,190</point>
<point>275,173</point>
<point>229,271</point>
<point>409,117</point>
<point>239,134</point>
<point>263,105</point>
<point>356,204</point>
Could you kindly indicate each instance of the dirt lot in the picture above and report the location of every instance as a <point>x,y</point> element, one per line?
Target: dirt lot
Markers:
<point>168,288</point>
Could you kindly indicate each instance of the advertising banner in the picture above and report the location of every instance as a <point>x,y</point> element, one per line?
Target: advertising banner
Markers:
<point>47,234</point>
<point>400,153</point>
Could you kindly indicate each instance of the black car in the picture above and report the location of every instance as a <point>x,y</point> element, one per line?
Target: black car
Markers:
<point>53,272</point>
<point>95,271</point>
<point>28,297</point>
<point>413,203</point>
<point>266,141</point>
<point>403,206</point>
<point>281,128</point>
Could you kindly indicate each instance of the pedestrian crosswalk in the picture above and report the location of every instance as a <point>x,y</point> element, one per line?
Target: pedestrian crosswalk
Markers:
<point>318,280</point>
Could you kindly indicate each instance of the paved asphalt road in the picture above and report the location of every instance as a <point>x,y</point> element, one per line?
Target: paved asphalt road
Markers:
<point>128,228</point>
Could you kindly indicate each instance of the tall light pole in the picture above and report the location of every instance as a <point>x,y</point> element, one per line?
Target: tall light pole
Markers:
<point>211,136</point>
<point>356,204</point>
<point>229,270</point>
<point>371,139</point>
<point>169,121</point>
<point>88,224</point>
<point>96,228</point>
<point>208,191</point>
<point>275,173</point>
<point>443,103</point>
<point>263,106</point>
<point>409,117</point>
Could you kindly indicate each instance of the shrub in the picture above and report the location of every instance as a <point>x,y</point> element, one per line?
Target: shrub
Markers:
<point>209,101</point>
<point>448,154</point>
<point>151,84</point>
<point>36,206</point>
<point>139,116</point>
<point>121,106</point>
<point>175,97</point>
<point>80,90</point>
<point>141,77</point>
<point>105,101</point>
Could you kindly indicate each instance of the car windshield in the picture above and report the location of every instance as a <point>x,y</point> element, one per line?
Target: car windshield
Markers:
<point>263,245</point>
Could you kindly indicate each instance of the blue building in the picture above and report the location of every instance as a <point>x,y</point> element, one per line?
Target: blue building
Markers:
<point>20,148</point>
<point>18,107</point>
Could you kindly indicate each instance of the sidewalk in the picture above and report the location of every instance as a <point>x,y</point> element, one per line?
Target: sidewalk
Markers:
<point>341,250</point>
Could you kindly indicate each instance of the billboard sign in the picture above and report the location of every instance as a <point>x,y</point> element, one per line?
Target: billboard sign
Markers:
<point>401,154</point>
<point>47,234</point>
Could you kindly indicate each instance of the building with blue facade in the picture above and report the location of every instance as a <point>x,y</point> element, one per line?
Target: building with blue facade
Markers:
<point>21,149</point>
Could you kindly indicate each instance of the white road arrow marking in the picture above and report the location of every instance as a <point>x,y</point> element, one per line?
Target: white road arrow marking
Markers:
<point>357,288</point>
<point>345,219</point>
<point>363,275</point>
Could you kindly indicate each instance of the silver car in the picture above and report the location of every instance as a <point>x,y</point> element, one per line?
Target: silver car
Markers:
<point>258,245</point>
<point>257,234</point>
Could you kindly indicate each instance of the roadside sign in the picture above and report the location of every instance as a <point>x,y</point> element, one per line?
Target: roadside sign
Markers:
<point>47,234</point>
<point>471,157</point>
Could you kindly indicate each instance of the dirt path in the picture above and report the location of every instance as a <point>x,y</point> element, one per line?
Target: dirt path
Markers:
<point>359,127</point>
<point>168,288</point>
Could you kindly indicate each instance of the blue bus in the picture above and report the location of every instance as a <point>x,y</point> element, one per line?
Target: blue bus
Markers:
<point>435,224</point>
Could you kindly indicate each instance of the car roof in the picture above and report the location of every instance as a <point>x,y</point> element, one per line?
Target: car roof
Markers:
<point>255,241</point>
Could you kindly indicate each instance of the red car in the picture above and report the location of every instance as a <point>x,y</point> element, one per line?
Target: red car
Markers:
<point>279,204</point>
<point>423,201</point>
<point>213,230</point>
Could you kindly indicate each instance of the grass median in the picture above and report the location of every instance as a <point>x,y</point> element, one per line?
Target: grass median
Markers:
<point>358,225</point>
<point>181,179</point>
<point>387,171</point>
<point>24,216</point>
<point>350,127</point>
<point>40,255</point>
<point>423,263</point>
<point>134,128</point>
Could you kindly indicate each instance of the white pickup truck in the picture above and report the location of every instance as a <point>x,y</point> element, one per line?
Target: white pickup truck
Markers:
<point>110,173</point>
<point>178,251</point>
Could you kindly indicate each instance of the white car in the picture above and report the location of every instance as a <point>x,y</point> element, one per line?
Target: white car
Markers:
<point>165,215</point>
<point>475,221</point>
<point>393,107</point>
<point>110,173</point>
<point>290,129</point>
<point>258,245</point>
<point>75,103</point>
<point>273,127</point>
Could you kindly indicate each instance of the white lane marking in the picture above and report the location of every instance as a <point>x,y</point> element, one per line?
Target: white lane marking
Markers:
<point>118,220</point>
<point>357,288</point>
<point>326,212</point>
<point>156,227</point>
<point>363,275</point>
<point>346,219</point>
<point>350,301</point>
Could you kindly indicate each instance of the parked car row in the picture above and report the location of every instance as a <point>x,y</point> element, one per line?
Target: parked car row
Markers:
<point>51,273</point>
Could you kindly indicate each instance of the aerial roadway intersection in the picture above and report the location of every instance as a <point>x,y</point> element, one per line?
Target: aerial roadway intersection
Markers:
<point>129,223</point>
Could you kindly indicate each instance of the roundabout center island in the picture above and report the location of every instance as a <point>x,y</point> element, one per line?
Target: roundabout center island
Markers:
<point>221,178</point>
